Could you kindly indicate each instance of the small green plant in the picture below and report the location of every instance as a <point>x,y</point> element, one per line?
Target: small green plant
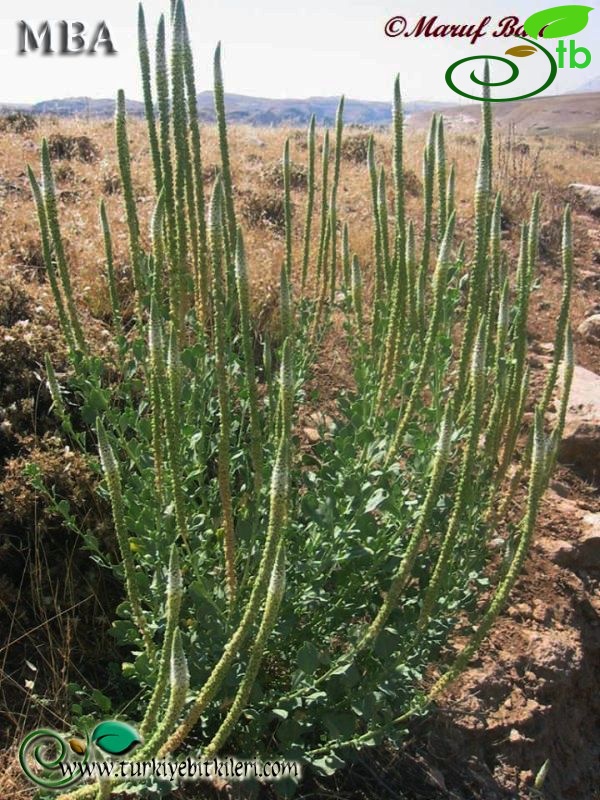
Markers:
<point>310,594</point>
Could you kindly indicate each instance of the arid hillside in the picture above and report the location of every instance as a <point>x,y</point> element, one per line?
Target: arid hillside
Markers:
<point>574,116</point>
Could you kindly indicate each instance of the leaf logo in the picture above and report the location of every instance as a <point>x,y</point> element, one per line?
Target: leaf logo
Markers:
<point>116,738</point>
<point>557,22</point>
<point>520,51</point>
<point>78,746</point>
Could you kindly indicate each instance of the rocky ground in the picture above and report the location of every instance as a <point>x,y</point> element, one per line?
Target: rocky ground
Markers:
<point>534,692</point>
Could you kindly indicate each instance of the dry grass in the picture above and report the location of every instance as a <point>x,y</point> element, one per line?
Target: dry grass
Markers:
<point>525,164</point>
<point>13,783</point>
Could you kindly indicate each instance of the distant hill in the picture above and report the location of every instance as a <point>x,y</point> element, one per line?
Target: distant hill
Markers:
<point>84,107</point>
<point>573,115</point>
<point>589,86</point>
<point>240,109</point>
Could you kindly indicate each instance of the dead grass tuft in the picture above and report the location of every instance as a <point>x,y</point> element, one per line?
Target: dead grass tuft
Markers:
<point>80,148</point>
<point>273,175</point>
<point>18,122</point>
<point>355,148</point>
<point>264,209</point>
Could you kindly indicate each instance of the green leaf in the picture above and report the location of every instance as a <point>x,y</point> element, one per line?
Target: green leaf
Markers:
<point>96,403</point>
<point>557,22</point>
<point>307,658</point>
<point>116,738</point>
<point>340,725</point>
<point>327,765</point>
<point>348,673</point>
<point>101,700</point>
<point>375,500</point>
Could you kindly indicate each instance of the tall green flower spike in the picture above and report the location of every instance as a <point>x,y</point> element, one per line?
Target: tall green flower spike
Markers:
<point>110,272</point>
<point>379,272</point>
<point>310,199</point>
<point>398,162</point>
<point>324,207</point>
<point>273,600</point>
<point>487,122</point>
<point>478,277</point>
<point>382,216</point>
<point>113,482</point>
<point>451,191</point>
<point>54,388</point>
<point>202,279</point>
<point>144,56</point>
<point>164,111</point>
<point>279,499</point>
<point>403,572</point>
<point>339,129</point>
<point>563,317</point>
<point>51,216</point>
<point>64,318</point>
<point>173,607</point>
<point>255,422</point>
<point>287,202</point>
<point>439,289</point>
<point>224,467</point>
<point>285,292</point>
<point>183,180</point>
<point>440,168</point>
<point>131,215</point>
<point>166,385</point>
<point>411,278</point>
<point>179,683</point>
<point>346,261</point>
<point>357,301</point>
<point>219,94</point>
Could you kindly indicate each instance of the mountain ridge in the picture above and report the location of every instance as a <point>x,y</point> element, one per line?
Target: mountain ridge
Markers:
<point>575,111</point>
<point>241,109</point>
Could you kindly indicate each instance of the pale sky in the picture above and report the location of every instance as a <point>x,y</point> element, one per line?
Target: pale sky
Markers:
<point>274,48</point>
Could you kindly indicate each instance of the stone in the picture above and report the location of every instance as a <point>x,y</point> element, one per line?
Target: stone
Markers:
<point>590,329</point>
<point>589,279</point>
<point>580,445</point>
<point>558,551</point>
<point>312,435</point>
<point>514,736</point>
<point>582,553</point>
<point>588,195</point>
<point>556,657</point>
<point>561,489</point>
<point>587,547</point>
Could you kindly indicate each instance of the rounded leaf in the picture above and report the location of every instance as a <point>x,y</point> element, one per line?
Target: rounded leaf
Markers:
<point>520,51</point>
<point>558,21</point>
<point>116,738</point>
